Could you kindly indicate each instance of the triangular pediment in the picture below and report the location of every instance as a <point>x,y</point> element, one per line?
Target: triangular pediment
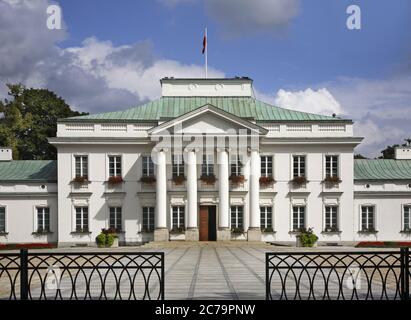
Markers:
<point>208,120</point>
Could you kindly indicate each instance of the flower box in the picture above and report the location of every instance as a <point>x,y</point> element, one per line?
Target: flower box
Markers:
<point>179,180</point>
<point>266,181</point>
<point>115,180</point>
<point>236,179</point>
<point>148,179</point>
<point>299,181</point>
<point>208,179</point>
<point>80,180</point>
<point>332,180</point>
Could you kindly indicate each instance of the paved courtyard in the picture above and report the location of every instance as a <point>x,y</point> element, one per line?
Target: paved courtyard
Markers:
<point>209,270</point>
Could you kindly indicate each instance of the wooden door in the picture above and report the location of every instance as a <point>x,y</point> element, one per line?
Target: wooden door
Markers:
<point>203,224</point>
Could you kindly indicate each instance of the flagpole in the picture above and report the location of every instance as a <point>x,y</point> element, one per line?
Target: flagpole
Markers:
<point>206,50</point>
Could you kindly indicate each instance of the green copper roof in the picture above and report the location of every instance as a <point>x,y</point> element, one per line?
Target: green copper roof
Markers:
<point>172,107</point>
<point>28,170</point>
<point>382,169</point>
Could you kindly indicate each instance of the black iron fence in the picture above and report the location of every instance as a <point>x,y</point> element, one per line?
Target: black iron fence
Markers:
<point>383,275</point>
<point>82,276</point>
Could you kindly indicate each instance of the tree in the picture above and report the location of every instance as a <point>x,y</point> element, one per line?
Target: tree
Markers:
<point>359,156</point>
<point>29,118</point>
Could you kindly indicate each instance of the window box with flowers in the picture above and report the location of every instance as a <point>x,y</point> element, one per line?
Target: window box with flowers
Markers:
<point>115,180</point>
<point>370,230</point>
<point>266,181</point>
<point>299,181</point>
<point>236,180</point>
<point>208,179</point>
<point>179,180</point>
<point>331,230</point>
<point>148,179</point>
<point>332,181</point>
<point>80,180</point>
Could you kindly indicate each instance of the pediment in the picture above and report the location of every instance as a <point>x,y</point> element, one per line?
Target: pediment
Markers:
<point>208,120</point>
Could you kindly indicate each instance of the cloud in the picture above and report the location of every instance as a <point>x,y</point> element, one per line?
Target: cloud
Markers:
<point>239,17</point>
<point>319,101</point>
<point>95,76</point>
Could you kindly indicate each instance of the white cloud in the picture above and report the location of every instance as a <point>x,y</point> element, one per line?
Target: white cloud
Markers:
<point>319,101</point>
<point>239,17</point>
<point>96,76</point>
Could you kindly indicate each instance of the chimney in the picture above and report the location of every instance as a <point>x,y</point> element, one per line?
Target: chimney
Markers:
<point>403,153</point>
<point>6,154</point>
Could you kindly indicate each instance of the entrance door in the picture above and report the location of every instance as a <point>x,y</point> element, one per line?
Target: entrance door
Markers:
<point>208,231</point>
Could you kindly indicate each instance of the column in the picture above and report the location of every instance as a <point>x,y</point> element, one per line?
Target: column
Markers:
<point>224,232</point>
<point>192,226</point>
<point>161,230</point>
<point>254,232</point>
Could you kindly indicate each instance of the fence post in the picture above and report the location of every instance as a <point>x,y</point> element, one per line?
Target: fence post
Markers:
<point>405,274</point>
<point>24,275</point>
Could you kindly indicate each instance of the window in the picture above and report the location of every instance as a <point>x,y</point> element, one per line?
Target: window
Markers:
<point>331,218</point>
<point>207,167</point>
<point>148,219</point>
<point>298,218</point>
<point>178,217</point>
<point>367,218</point>
<point>114,165</point>
<point>235,165</point>
<point>178,165</point>
<point>266,166</point>
<point>331,166</point>
<point>2,219</point>
<point>237,217</point>
<point>115,218</point>
<point>82,219</point>
<point>298,166</point>
<point>266,217</point>
<point>81,166</point>
<point>43,219</point>
<point>148,167</point>
<point>406,220</point>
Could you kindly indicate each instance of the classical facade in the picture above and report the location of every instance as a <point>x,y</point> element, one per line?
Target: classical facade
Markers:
<point>205,161</point>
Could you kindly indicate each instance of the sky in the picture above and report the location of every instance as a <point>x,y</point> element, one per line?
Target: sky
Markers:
<point>109,55</point>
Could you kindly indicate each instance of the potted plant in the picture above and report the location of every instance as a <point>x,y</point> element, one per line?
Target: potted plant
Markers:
<point>179,180</point>
<point>114,180</point>
<point>148,179</point>
<point>266,181</point>
<point>236,179</point>
<point>299,181</point>
<point>332,180</point>
<point>208,178</point>
<point>107,238</point>
<point>80,179</point>
<point>307,238</point>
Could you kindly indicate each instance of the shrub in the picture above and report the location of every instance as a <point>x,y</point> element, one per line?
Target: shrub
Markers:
<point>101,240</point>
<point>110,239</point>
<point>307,237</point>
<point>115,180</point>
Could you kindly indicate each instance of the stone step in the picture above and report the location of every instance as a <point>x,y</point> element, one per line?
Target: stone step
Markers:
<point>185,244</point>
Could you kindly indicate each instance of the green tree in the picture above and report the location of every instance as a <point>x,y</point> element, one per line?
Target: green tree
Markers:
<point>29,118</point>
<point>359,156</point>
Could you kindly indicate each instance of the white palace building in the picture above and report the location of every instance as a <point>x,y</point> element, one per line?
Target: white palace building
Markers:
<point>206,161</point>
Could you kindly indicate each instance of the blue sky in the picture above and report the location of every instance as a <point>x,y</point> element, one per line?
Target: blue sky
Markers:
<point>110,54</point>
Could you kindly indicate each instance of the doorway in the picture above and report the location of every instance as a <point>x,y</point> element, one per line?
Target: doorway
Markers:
<point>208,225</point>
